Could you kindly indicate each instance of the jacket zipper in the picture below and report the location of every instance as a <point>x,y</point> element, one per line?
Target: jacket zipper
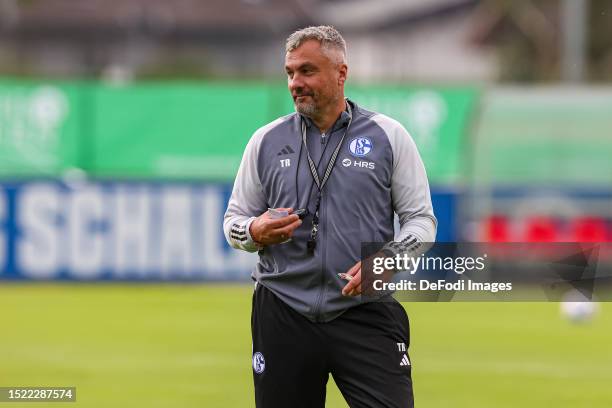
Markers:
<point>319,303</point>
<point>323,290</point>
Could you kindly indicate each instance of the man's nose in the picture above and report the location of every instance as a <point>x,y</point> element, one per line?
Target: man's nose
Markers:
<point>296,82</point>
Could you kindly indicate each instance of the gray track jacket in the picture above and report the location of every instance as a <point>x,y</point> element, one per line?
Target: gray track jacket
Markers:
<point>378,171</point>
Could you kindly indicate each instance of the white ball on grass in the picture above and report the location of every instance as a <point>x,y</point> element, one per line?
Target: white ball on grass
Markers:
<point>577,308</point>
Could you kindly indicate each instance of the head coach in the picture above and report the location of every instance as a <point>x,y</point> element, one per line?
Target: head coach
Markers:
<point>312,186</point>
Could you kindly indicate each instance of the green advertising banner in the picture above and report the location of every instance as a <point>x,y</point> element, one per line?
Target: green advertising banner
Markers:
<point>193,130</point>
<point>199,130</point>
<point>188,130</point>
<point>40,128</point>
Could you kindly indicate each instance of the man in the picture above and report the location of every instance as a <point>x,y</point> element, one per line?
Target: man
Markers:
<point>333,174</point>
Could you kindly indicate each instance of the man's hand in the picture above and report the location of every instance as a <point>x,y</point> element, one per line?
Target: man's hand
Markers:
<point>353,287</point>
<point>267,231</point>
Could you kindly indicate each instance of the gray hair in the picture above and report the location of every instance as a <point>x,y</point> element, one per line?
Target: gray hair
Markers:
<point>329,38</point>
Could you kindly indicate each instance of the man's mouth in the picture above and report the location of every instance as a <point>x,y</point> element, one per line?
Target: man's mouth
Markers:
<point>299,97</point>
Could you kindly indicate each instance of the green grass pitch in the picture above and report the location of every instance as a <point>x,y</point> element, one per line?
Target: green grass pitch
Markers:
<point>189,346</point>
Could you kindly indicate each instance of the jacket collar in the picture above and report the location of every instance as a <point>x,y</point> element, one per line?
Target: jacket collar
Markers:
<point>341,122</point>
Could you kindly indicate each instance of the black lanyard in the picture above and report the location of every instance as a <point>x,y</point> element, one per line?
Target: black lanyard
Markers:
<point>312,242</point>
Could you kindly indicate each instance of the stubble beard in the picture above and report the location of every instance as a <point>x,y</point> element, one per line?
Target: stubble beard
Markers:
<point>312,109</point>
<point>308,108</point>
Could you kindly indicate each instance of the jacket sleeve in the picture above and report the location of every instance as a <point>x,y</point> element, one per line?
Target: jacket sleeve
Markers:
<point>410,193</point>
<point>247,200</point>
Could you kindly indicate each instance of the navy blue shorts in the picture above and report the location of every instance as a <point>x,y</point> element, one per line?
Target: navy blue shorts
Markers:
<point>365,350</point>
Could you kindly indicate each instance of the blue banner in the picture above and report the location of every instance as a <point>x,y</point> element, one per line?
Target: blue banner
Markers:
<point>79,230</point>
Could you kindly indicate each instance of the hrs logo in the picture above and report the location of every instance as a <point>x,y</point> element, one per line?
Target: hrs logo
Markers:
<point>358,163</point>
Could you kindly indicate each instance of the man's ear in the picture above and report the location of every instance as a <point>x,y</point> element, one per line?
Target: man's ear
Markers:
<point>342,74</point>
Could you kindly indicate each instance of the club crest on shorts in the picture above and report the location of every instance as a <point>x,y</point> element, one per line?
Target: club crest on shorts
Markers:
<point>259,363</point>
<point>360,146</point>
